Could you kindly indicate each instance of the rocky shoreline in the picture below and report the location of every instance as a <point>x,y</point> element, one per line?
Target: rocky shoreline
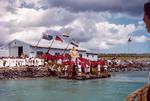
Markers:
<point>14,68</point>
<point>43,72</point>
<point>26,72</point>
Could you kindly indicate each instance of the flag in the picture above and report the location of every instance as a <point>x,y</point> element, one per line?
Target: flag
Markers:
<point>75,43</point>
<point>58,38</point>
<point>47,37</point>
<point>129,40</point>
<point>65,35</point>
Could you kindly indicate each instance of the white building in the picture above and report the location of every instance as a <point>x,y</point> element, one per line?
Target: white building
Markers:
<point>92,56</point>
<point>17,47</point>
<point>4,52</point>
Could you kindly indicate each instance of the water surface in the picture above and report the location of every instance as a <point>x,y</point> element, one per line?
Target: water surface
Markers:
<point>115,88</point>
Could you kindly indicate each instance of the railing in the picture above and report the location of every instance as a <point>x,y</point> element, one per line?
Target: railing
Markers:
<point>140,94</point>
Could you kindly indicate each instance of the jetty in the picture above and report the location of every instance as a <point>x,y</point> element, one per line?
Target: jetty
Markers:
<point>13,68</point>
<point>86,77</point>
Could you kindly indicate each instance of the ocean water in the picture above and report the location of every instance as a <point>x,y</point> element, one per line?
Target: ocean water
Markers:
<point>115,88</point>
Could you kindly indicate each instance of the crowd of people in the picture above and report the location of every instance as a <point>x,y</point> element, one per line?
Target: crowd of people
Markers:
<point>85,66</point>
<point>71,64</point>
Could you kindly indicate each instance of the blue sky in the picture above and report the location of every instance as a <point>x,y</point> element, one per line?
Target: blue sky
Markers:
<point>101,26</point>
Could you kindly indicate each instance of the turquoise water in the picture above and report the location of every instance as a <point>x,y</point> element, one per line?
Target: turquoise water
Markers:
<point>115,88</point>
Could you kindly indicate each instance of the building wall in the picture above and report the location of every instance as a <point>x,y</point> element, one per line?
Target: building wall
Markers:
<point>93,57</point>
<point>4,52</point>
<point>32,51</point>
<point>83,54</point>
<point>52,51</point>
<point>13,51</point>
<point>13,48</point>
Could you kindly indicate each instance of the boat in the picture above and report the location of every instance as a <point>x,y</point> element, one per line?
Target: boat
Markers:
<point>85,77</point>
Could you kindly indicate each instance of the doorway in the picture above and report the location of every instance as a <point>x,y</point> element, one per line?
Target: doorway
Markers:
<point>20,51</point>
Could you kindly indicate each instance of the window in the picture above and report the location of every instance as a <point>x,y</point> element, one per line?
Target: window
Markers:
<point>80,55</point>
<point>39,53</point>
<point>57,53</point>
<point>87,55</point>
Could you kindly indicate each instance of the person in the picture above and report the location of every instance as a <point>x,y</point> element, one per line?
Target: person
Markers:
<point>74,54</point>
<point>146,17</point>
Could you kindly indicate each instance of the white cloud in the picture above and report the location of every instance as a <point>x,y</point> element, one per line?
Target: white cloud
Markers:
<point>140,39</point>
<point>27,17</point>
<point>31,35</point>
<point>27,20</point>
<point>106,36</point>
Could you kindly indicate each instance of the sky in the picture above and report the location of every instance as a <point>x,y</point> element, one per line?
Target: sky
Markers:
<point>101,26</point>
